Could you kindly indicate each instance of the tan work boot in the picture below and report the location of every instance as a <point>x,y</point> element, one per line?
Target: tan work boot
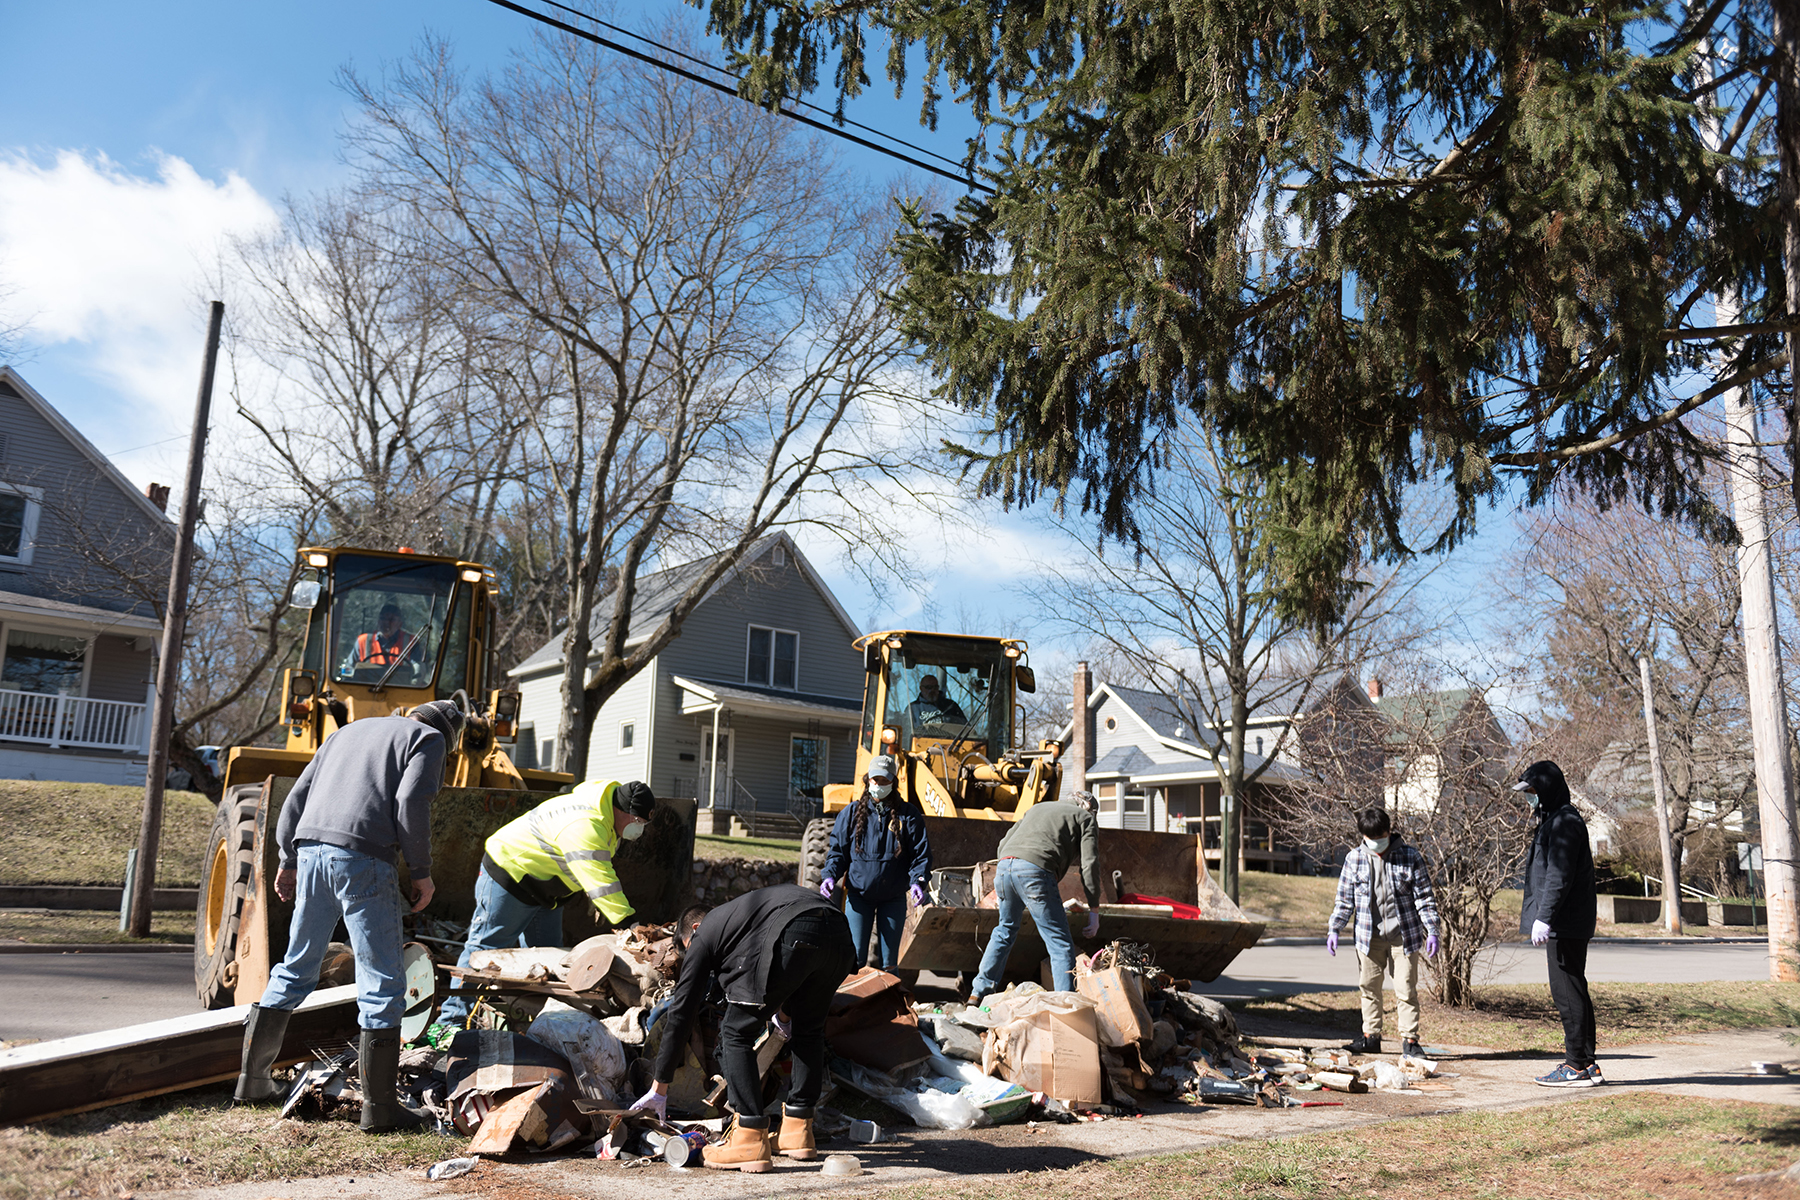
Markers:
<point>746,1150</point>
<point>796,1139</point>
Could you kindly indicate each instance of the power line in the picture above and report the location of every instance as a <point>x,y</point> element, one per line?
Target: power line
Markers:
<point>622,31</point>
<point>691,76</point>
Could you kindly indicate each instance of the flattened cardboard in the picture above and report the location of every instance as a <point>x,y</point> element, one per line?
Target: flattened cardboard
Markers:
<point>1119,1009</point>
<point>1054,1051</point>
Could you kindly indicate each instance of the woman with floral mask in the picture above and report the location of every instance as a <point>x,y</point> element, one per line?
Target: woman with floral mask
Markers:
<point>880,852</point>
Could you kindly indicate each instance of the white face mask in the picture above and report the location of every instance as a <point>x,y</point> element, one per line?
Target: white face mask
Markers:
<point>633,831</point>
<point>881,791</point>
<point>1378,845</point>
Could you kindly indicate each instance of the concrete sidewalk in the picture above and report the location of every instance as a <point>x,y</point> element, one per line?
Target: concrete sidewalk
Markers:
<point>1713,1064</point>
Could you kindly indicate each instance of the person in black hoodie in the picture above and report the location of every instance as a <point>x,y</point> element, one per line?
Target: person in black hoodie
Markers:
<point>1558,913</point>
<point>778,949</point>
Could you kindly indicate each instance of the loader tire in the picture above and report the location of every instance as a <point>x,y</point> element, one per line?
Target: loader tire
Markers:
<point>224,886</point>
<point>814,844</point>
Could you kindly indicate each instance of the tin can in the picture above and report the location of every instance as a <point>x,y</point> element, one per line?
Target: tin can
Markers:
<point>684,1151</point>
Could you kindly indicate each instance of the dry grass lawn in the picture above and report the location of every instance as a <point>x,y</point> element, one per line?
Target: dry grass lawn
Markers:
<point>78,833</point>
<point>1642,1145</point>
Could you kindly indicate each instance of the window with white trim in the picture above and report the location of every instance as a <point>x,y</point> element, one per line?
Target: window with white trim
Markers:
<point>18,523</point>
<point>772,658</point>
<point>627,734</point>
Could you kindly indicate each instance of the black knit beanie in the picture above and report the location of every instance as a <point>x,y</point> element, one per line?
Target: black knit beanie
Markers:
<point>635,798</point>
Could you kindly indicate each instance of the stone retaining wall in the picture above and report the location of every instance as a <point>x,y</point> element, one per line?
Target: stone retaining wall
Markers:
<point>717,880</point>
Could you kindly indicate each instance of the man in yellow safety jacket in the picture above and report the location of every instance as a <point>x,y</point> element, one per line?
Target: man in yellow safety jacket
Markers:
<point>559,850</point>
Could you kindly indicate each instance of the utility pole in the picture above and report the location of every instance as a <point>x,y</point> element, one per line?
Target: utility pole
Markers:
<point>1671,890</point>
<point>168,665</point>
<point>1756,585</point>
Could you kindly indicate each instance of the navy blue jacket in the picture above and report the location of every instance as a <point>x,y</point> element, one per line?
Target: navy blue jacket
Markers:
<point>876,869</point>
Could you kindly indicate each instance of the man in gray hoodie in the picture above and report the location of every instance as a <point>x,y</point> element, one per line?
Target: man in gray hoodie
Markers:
<point>366,793</point>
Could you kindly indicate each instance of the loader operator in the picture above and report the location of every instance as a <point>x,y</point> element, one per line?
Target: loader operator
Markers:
<point>386,645</point>
<point>557,851</point>
<point>366,793</point>
<point>1034,856</point>
<point>777,949</point>
<point>933,707</point>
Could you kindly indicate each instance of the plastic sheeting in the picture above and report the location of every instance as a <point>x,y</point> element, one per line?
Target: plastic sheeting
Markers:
<point>596,1055</point>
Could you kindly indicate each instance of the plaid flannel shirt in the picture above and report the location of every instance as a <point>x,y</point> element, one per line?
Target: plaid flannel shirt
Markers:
<point>1411,880</point>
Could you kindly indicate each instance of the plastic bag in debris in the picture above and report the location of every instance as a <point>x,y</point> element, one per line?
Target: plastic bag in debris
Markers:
<point>928,1107</point>
<point>590,1047</point>
<point>1389,1078</point>
<point>628,1026</point>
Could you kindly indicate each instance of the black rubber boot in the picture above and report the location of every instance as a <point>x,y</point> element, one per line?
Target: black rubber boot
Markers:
<point>378,1062</point>
<point>1364,1044</point>
<point>264,1030</point>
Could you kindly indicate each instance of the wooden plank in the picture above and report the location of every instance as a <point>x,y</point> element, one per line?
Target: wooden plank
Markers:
<point>94,1070</point>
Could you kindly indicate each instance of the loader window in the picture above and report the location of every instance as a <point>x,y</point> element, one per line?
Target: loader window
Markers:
<point>941,690</point>
<point>387,615</point>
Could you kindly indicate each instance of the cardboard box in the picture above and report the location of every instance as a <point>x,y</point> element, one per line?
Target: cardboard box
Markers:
<point>1054,1049</point>
<point>1119,1010</point>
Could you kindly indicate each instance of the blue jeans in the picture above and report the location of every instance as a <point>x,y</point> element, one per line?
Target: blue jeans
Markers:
<point>885,916</point>
<point>502,921</point>
<point>335,882</point>
<point>1019,886</point>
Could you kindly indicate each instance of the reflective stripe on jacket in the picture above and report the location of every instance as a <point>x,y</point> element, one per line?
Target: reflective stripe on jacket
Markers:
<point>564,847</point>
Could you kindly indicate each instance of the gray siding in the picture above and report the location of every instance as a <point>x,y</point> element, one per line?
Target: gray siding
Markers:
<point>117,670</point>
<point>94,545</point>
<point>712,645</point>
<point>1130,732</point>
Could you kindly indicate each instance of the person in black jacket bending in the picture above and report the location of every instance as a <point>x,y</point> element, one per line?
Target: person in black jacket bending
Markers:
<point>776,949</point>
<point>1558,913</point>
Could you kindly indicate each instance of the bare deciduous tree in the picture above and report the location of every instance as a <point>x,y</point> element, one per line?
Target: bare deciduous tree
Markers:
<point>1193,613</point>
<point>1444,767</point>
<point>704,296</point>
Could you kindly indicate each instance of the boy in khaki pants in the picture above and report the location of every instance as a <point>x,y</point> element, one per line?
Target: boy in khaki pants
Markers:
<point>1386,886</point>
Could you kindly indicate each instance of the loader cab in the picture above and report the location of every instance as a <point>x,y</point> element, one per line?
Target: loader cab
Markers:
<point>951,693</point>
<point>387,631</point>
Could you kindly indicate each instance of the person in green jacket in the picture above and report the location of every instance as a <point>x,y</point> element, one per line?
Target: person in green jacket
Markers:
<point>1034,856</point>
<point>557,851</point>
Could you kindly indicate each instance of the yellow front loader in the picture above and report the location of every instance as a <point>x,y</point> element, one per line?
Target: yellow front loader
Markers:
<point>385,631</point>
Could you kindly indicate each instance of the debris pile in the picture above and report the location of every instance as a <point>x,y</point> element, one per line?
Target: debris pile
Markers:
<point>564,1038</point>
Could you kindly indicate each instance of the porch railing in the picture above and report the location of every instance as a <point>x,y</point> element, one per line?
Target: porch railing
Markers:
<point>75,721</point>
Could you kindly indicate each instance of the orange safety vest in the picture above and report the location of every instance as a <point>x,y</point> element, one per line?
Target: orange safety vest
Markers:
<point>370,650</point>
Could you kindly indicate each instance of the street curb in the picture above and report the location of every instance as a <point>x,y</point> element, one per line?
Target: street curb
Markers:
<point>92,948</point>
<point>1605,941</point>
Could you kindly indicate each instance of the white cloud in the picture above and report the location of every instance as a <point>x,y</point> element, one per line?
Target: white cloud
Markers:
<point>108,267</point>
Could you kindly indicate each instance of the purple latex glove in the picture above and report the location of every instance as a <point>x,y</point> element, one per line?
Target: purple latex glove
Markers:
<point>1093,924</point>
<point>653,1101</point>
<point>825,886</point>
<point>1331,942</point>
<point>780,1023</point>
<point>917,892</point>
<point>1540,933</point>
<point>1431,945</point>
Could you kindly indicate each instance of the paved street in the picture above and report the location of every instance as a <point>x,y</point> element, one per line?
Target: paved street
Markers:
<point>1269,970</point>
<point>61,995</point>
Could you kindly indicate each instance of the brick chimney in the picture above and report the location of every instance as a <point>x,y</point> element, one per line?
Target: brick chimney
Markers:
<point>1374,689</point>
<point>157,494</point>
<point>1081,741</point>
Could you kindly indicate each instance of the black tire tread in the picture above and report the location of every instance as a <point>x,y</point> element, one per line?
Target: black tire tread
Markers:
<point>815,843</point>
<point>236,823</point>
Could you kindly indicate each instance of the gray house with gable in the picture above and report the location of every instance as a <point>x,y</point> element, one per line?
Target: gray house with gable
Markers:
<point>83,558</point>
<point>752,710</point>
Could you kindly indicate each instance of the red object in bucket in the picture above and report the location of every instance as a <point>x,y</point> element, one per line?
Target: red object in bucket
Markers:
<point>1185,912</point>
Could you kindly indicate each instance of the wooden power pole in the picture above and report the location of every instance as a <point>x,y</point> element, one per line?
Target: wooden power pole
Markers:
<point>168,666</point>
<point>1671,889</point>
<point>1756,583</point>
